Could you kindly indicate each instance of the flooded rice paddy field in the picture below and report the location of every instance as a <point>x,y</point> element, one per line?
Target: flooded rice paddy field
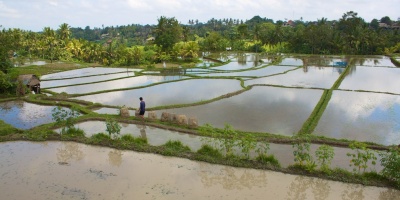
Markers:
<point>128,82</point>
<point>66,170</point>
<point>267,106</point>
<point>362,116</point>
<point>260,109</point>
<point>180,92</point>
<point>24,115</point>
<point>158,137</point>
<point>307,77</point>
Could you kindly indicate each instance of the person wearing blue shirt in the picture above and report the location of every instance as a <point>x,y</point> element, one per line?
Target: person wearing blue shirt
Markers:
<point>142,108</point>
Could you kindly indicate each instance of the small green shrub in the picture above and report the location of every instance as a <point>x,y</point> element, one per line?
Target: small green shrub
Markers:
<point>361,156</point>
<point>391,165</point>
<point>324,155</point>
<point>74,132</point>
<point>99,138</point>
<point>246,144</point>
<point>174,148</point>
<point>64,117</point>
<point>301,151</point>
<point>265,159</point>
<point>113,128</point>
<point>208,150</point>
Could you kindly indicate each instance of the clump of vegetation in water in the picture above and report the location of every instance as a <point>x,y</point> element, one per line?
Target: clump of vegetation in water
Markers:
<point>324,155</point>
<point>113,128</point>
<point>302,156</point>
<point>64,117</point>
<point>391,165</point>
<point>361,156</point>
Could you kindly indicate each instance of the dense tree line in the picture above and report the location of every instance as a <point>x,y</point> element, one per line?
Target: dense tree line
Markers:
<point>170,40</point>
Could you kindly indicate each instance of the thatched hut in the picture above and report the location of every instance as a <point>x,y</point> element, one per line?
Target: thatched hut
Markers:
<point>31,81</point>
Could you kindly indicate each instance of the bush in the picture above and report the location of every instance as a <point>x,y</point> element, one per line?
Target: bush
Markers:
<point>113,128</point>
<point>264,159</point>
<point>361,157</point>
<point>391,165</point>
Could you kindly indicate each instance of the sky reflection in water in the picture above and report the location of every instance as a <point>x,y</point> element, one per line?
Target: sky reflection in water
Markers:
<point>362,116</point>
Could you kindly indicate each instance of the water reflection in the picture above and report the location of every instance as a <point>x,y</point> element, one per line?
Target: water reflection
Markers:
<point>370,79</point>
<point>69,151</point>
<point>261,109</point>
<point>115,157</point>
<point>353,192</point>
<point>116,84</point>
<point>25,115</point>
<point>300,188</point>
<point>86,72</point>
<point>312,77</point>
<point>63,82</point>
<point>362,116</point>
<point>230,179</point>
<point>168,93</point>
<point>265,71</point>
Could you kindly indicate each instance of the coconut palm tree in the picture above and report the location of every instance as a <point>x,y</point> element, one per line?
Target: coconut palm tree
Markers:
<point>64,31</point>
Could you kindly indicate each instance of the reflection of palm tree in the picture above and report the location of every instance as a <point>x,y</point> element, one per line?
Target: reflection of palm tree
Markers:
<point>115,157</point>
<point>353,192</point>
<point>69,151</point>
<point>229,179</point>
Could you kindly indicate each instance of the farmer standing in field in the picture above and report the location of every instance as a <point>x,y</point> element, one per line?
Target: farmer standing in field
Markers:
<point>142,108</point>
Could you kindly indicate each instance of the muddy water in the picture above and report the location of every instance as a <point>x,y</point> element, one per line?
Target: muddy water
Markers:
<point>181,92</point>
<point>86,72</point>
<point>379,79</point>
<point>65,170</point>
<point>25,115</point>
<point>362,116</point>
<point>319,77</point>
<point>116,84</point>
<point>261,109</point>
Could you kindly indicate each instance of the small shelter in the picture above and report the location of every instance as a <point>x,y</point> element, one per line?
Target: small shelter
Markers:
<point>31,81</point>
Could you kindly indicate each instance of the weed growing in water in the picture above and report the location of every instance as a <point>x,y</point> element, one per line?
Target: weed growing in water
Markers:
<point>64,117</point>
<point>324,154</point>
<point>361,157</point>
<point>113,128</point>
<point>391,165</point>
<point>302,156</point>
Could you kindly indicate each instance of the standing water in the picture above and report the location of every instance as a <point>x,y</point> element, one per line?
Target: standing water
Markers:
<point>66,170</point>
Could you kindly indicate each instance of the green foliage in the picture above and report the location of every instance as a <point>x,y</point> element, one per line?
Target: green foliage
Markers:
<point>37,134</point>
<point>361,156</point>
<point>6,86</point>
<point>65,118</point>
<point>301,151</point>
<point>113,128</point>
<point>99,138</point>
<point>271,160</point>
<point>262,149</point>
<point>6,129</point>
<point>208,150</point>
<point>247,143</point>
<point>174,148</point>
<point>391,165</point>
<point>227,139</point>
<point>324,155</point>
<point>73,132</point>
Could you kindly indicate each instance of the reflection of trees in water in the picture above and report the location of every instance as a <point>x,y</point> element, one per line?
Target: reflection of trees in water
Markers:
<point>115,157</point>
<point>230,180</point>
<point>70,151</point>
<point>298,188</point>
<point>389,194</point>
<point>353,192</point>
<point>8,106</point>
